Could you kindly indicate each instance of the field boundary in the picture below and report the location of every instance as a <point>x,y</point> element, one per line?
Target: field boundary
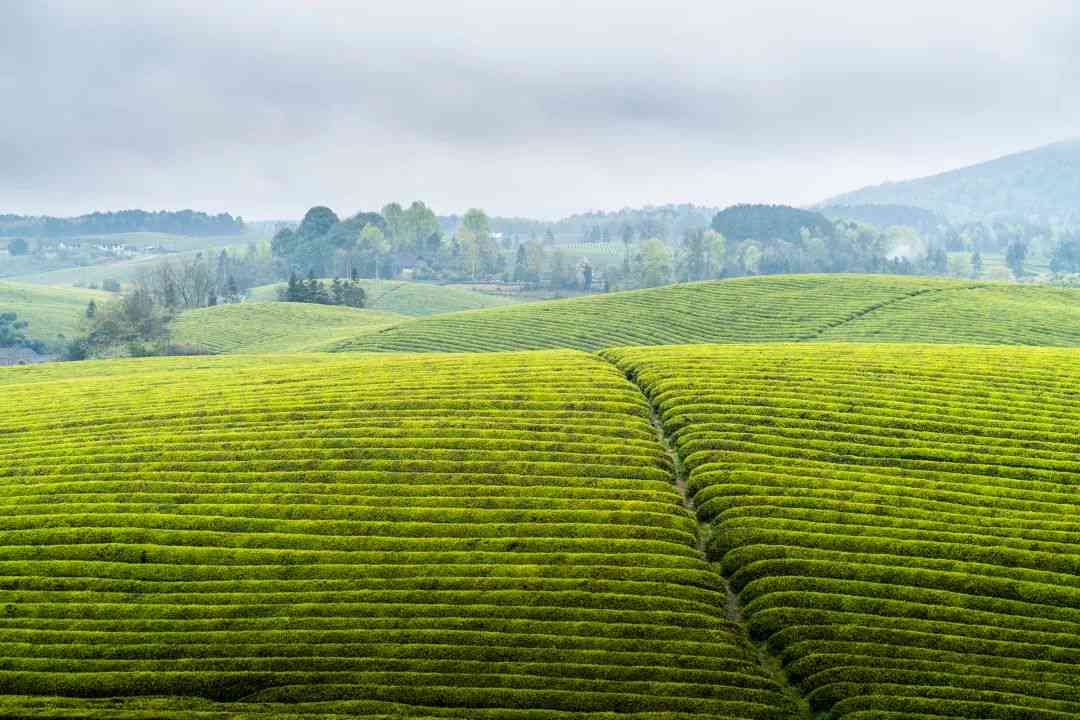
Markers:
<point>770,664</point>
<point>860,314</point>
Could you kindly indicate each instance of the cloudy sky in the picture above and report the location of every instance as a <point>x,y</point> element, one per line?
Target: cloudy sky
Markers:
<point>529,108</point>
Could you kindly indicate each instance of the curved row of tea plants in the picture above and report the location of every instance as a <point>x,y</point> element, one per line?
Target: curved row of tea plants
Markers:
<point>455,536</point>
<point>798,307</point>
<point>253,327</point>
<point>902,523</point>
<point>997,314</point>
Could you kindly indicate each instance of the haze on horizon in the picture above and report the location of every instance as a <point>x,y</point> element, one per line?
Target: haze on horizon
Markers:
<point>523,108</point>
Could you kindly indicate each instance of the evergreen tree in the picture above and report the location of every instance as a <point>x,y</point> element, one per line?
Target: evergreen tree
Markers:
<point>521,264</point>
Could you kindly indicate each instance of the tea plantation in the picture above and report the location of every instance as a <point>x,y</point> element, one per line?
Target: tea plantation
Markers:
<point>410,536</point>
<point>996,314</point>
<point>761,309</point>
<point>273,326</point>
<point>901,523</point>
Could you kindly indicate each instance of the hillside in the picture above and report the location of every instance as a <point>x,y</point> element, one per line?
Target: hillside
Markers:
<point>409,298</point>
<point>125,270</point>
<point>50,311</point>
<point>273,326</point>
<point>505,536</point>
<point>901,523</point>
<point>994,315</point>
<point>484,536</point>
<point>772,308</point>
<point>1041,185</point>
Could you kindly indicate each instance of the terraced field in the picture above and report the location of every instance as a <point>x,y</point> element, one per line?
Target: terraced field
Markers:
<point>418,536</point>
<point>901,523</point>
<point>254,327</point>
<point>798,307</point>
<point>50,311</point>
<point>997,314</point>
<point>865,308</point>
<point>409,298</point>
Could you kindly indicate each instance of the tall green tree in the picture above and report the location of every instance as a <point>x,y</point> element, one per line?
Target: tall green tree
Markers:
<point>1015,256</point>
<point>375,242</point>
<point>654,263</point>
<point>521,264</point>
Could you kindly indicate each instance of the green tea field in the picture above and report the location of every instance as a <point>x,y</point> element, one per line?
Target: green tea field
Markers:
<point>815,530</point>
<point>439,536</point>
<point>274,326</point>
<point>901,523</point>
<point>776,308</point>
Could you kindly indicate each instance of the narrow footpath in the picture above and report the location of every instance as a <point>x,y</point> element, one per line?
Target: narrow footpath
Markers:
<point>769,663</point>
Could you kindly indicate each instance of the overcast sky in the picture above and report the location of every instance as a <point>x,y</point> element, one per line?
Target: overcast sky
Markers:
<point>528,108</point>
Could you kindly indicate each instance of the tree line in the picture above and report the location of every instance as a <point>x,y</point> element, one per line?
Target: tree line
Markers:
<point>182,222</point>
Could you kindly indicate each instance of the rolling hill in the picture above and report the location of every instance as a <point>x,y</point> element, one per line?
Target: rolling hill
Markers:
<point>409,298</point>
<point>50,311</point>
<point>881,531</point>
<point>770,308</point>
<point>1041,185</point>
<point>901,523</point>
<point>254,327</point>
<point>470,536</point>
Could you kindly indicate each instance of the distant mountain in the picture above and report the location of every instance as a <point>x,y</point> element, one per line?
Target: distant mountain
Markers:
<point>1040,186</point>
<point>926,222</point>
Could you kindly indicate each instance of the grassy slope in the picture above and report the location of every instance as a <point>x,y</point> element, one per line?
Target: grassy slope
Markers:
<point>409,298</point>
<point>902,523</point>
<point>998,314</point>
<point>274,326</point>
<point>49,310</point>
<point>773,308</point>
<point>742,310</point>
<point>471,534</point>
<point>125,270</point>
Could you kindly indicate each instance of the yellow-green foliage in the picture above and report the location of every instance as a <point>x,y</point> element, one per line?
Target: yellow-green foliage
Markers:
<point>998,314</point>
<point>902,523</point>
<point>475,536</point>
<point>799,307</point>
<point>774,308</point>
<point>409,298</point>
<point>274,326</point>
<point>49,310</point>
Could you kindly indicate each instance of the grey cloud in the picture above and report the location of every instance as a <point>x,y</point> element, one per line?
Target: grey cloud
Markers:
<point>524,108</point>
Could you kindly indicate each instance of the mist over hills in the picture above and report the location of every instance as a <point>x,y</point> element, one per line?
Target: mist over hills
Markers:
<point>1040,185</point>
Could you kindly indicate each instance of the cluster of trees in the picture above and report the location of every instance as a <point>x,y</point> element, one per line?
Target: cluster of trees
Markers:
<point>537,265</point>
<point>13,333</point>
<point>384,244</point>
<point>339,292</point>
<point>138,322</point>
<point>770,222</point>
<point>202,280</point>
<point>1066,255</point>
<point>183,222</point>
